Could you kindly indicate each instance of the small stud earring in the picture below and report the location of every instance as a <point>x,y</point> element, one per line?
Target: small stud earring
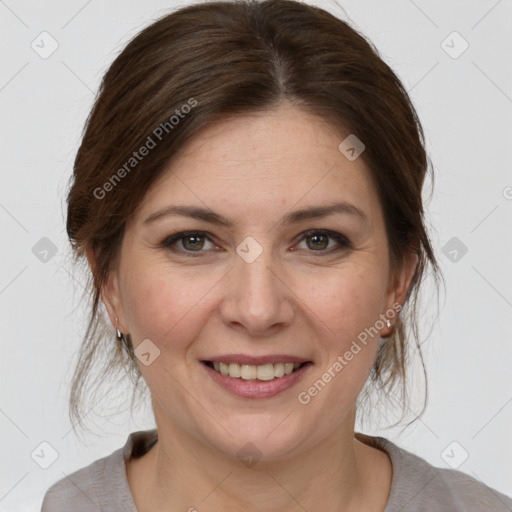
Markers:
<point>388,323</point>
<point>119,334</point>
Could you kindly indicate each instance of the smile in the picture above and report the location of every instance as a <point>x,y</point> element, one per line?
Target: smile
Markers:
<point>262,380</point>
<point>263,372</point>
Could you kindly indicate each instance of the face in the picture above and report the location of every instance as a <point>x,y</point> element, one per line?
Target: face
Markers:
<point>289,265</point>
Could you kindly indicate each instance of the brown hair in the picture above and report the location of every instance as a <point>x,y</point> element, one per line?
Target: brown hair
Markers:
<point>229,58</point>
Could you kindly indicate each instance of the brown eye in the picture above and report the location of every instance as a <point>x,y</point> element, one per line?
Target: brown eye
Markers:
<point>193,242</point>
<point>320,241</point>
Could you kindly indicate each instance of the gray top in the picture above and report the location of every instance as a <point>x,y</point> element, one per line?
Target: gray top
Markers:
<point>416,485</point>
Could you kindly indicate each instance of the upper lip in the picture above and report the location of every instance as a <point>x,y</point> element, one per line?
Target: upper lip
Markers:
<point>256,360</point>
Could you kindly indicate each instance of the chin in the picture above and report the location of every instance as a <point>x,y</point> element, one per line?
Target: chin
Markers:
<point>261,437</point>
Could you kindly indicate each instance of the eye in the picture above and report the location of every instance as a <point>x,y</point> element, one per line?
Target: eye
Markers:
<point>319,241</point>
<point>191,241</point>
<point>195,241</point>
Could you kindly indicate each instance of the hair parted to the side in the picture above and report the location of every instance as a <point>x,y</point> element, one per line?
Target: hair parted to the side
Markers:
<point>231,58</point>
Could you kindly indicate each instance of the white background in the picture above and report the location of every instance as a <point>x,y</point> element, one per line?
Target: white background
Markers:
<point>465,105</point>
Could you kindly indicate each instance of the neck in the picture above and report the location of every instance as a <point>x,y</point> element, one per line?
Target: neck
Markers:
<point>182,473</point>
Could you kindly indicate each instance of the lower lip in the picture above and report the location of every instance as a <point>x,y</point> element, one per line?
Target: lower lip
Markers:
<point>257,388</point>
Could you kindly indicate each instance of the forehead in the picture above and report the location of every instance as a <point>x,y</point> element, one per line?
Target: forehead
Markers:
<point>267,139</point>
<point>265,160</point>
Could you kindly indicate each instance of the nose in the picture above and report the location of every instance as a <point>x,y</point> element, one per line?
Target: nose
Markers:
<point>258,300</point>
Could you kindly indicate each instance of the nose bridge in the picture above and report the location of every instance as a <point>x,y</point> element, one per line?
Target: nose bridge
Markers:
<point>255,275</point>
<point>257,297</point>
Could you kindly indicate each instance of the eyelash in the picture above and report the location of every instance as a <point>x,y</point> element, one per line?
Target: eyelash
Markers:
<point>170,241</point>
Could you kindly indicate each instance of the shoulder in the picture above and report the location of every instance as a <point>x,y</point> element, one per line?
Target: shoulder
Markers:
<point>102,485</point>
<point>77,491</point>
<point>418,486</point>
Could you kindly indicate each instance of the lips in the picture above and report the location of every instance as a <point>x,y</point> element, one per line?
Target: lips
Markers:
<point>252,376</point>
<point>250,385</point>
<point>255,360</point>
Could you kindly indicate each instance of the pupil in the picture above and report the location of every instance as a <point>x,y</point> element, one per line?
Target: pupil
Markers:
<point>194,244</point>
<point>316,238</point>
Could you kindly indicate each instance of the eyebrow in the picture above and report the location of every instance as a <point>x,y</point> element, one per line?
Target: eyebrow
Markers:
<point>206,215</point>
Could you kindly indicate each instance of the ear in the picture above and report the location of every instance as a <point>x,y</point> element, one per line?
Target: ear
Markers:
<point>110,294</point>
<point>400,282</point>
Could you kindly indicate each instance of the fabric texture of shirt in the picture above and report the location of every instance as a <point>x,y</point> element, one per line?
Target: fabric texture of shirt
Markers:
<point>416,486</point>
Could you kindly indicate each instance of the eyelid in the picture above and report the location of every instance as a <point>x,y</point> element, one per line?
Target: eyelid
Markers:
<point>170,241</point>
<point>339,237</point>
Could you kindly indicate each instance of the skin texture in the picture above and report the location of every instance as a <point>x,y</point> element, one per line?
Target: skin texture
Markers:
<point>299,297</point>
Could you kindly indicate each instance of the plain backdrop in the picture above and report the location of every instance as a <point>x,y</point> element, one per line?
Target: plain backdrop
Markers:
<point>461,84</point>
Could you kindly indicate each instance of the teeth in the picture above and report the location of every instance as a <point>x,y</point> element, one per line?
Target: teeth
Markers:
<point>248,371</point>
<point>234,370</point>
<point>267,371</point>
<point>279,369</point>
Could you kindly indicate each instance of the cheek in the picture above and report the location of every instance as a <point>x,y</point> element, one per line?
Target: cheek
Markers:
<point>346,309</point>
<point>160,303</point>
<point>346,306</point>
<point>346,302</point>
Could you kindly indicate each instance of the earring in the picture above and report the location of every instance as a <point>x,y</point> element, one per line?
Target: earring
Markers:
<point>119,334</point>
<point>388,323</point>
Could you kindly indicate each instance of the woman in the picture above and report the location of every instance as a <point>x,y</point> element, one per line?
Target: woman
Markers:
<point>248,197</point>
